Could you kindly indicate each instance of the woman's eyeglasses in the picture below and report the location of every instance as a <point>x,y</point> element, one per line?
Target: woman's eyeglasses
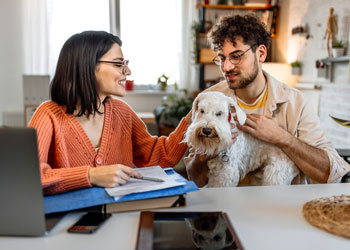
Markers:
<point>122,64</point>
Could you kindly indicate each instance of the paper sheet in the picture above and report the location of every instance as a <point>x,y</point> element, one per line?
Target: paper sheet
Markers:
<point>138,186</point>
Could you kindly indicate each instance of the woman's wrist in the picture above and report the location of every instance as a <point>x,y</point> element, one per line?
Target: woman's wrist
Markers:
<point>91,175</point>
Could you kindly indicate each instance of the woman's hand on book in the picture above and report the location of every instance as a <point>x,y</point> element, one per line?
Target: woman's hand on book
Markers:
<point>111,175</point>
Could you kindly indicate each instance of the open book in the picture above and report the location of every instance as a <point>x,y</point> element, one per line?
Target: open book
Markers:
<point>140,186</point>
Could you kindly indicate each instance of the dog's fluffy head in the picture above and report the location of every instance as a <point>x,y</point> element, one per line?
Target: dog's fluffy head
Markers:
<point>210,131</point>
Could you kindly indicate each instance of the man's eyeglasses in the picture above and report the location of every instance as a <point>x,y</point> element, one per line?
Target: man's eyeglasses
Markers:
<point>234,58</point>
<point>122,64</point>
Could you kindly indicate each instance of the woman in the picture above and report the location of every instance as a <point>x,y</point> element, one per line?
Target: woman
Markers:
<point>85,137</point>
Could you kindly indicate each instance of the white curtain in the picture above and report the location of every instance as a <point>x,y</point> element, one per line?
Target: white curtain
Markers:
<point>36,21</point>
<point>189,72</point>
<point>47,24</point>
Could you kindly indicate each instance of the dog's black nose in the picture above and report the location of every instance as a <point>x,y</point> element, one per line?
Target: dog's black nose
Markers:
<point>206,131</point>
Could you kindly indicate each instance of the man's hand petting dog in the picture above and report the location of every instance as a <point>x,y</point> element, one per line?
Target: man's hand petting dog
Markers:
<point>263,128</point>
<point>234,134</point>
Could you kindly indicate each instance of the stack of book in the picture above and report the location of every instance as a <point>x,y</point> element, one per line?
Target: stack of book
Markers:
<point>98,198</point>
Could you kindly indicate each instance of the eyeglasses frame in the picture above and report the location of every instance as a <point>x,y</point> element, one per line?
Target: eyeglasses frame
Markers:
<point>124,64</point>
<point>222,63</point>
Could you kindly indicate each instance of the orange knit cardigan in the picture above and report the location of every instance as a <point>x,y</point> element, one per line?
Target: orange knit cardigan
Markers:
<point>66,152</point>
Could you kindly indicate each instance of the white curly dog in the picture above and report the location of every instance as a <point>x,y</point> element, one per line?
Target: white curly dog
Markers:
<point>210,134</point>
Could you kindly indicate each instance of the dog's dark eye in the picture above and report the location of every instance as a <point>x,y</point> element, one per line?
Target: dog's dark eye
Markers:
<point>218,113</point>
<point>202,111</point>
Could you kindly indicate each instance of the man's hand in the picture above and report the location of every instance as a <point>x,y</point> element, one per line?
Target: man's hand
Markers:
<point>313,162</point>
<point>234,134</point>
<point>264,128</point>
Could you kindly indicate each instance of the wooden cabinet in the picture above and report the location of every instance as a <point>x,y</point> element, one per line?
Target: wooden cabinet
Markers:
<point>207,17</point>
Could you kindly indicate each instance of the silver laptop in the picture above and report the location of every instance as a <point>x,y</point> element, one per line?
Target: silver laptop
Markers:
<point>21,199</point>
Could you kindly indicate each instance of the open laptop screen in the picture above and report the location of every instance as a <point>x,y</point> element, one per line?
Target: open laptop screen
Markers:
<point>21,206</point>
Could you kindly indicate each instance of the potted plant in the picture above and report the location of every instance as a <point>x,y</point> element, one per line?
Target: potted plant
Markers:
<point>296,68</point>
<point>338,48</point>
<point>163,82</point>
<point>174,106</point>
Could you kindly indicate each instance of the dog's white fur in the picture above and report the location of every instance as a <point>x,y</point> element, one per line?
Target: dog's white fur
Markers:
<point>210,134</point>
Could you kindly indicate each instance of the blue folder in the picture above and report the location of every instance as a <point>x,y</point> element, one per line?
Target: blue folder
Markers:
<point>94,196</point>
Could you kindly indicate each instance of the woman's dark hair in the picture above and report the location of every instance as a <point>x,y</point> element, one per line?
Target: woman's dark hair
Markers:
<point>74,82</point>
<point>248,27</point>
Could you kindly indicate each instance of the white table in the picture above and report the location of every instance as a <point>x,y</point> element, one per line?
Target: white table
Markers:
<point>263,217</point>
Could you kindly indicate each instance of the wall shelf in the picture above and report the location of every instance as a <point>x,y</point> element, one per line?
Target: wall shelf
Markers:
<point>330,61</point>
<point>340,59</point>
<point>206,63</point>
<point>302,34</point>
<point>231,7</point>
<point>204,35</point>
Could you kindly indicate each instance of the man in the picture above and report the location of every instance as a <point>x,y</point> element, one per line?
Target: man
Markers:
<point>277,113</point>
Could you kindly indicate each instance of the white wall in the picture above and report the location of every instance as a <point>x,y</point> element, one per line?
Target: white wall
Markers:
<point>333,98</point>
<point>335,101</point>
<point>313,13</point>
<point>11,56</point>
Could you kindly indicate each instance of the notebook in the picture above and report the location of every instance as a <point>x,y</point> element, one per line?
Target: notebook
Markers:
<point>22,205</point>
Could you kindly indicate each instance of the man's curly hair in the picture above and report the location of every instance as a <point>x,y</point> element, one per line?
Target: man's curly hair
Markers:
<point>230,27</point>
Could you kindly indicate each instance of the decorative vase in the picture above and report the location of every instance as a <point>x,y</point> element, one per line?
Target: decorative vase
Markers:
<point>129,85</point>
<point>337,52</point>
<point>296,71</point>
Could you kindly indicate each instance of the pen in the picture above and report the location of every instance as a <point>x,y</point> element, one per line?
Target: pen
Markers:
<point>148,179</point>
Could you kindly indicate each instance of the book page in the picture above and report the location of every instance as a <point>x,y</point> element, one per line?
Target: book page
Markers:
<point>139,186</point>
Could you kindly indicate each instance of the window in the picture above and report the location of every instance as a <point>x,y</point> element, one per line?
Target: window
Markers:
<point>153,32</point>
<point>151,35</point>
<point>71,17</point>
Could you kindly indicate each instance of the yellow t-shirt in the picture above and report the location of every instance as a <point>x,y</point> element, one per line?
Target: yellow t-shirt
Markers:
<point>255,108</point>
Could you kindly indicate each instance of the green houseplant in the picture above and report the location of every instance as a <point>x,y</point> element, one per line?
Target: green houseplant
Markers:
<point>338,44</point>
<point>174,106</point>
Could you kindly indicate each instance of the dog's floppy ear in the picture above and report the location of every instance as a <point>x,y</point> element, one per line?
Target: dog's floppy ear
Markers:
<point>241,116</point>
<point>195,105</point>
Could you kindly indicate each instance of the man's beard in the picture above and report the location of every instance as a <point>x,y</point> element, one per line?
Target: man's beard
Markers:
<point>244,82</point>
